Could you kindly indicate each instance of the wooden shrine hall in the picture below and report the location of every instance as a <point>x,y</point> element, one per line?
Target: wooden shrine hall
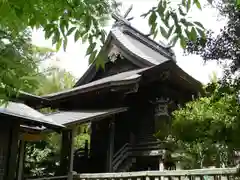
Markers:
<point>126,103</point>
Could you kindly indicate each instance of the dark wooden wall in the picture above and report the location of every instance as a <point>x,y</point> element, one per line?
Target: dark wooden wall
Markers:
<point>123,127</point>
<point>9,133</point>
<point>4,143</point>
<point>99,145</point>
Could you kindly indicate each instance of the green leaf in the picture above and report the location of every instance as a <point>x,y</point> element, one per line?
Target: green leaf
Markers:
<point>153,28</point>
<point>62,26</point>
<point>174,40</point>
<point>70,31</point>
<point>178,30</point>
<point>59,44</point>
<point>91,48</point>
<point>56,36</point>
<point>84,38</point>
<point>160,9</point>
<point>48,34</point>
<point>201,33</point>
<point>65,41</point>
<point>183,42</point>
<point>188,34</point>
<point>100,62</point>
<point>77,35</point>
<point>164,4</point>
<point>184,3</point>
<point>193,34</point>
<point>188,5</point>
<point>181,11</point>
<point>152,18</point>
<point>92,56</point>
<point>199,24</point>
<point>103,36</point>
<point>175,18</point>
<point>32,22</point>
<point>95,23</point>
<point>185,22</point>
<point>166,19</point>
<point>88,21</point>
<point>198,4</point>
<point>170,31</point>
<point>155,34</point>
<point>163,32</point>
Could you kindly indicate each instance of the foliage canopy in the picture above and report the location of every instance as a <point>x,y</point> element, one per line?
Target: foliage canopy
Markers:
<point>210,125</point>
<point>18,65</point>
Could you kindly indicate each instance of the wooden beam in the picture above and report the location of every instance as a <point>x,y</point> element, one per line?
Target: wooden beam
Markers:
<point>31,137</point>
<point>64,154</point>
<point>21,159</point>
<point>71,139</point>
<point>66,159</point>
<point>111,145</point>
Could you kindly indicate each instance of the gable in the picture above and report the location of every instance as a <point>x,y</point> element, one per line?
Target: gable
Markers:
<point>112,68</point>
<point>138,50</point>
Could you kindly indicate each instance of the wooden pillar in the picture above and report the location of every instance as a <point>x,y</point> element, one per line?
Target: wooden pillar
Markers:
<point>71,140</point>
<point>63,154</point>
<point>111,145</point>
<point>13,150</point>
<point>21,159</point>
<point>161,165</point>
<point>66,159</point>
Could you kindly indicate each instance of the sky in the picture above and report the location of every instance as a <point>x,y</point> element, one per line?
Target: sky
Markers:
<point>74,60</point>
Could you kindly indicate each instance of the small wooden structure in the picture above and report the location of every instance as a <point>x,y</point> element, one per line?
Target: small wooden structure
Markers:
<point>18,124</point>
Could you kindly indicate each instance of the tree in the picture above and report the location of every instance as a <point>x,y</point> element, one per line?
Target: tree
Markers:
<point>225,46</point>
<point>209,126</point>
<point>55,80</point>
<point>19,68</point>
<point>59,19</point>
<point>174,24</point>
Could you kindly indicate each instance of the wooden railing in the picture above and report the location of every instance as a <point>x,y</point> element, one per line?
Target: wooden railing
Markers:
<point>195,174</point>
<point>49,178</point>
<point>127,150</point>
<point>121,155</point>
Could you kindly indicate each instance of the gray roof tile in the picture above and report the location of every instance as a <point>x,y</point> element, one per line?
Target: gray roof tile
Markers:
<point>82,116</point>
<point>138,48</point>
<point>26,113</point>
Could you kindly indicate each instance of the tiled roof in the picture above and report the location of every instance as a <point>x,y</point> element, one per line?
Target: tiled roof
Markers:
<point>121,78</point>
<point>82,116</point>
<point>27,114</point>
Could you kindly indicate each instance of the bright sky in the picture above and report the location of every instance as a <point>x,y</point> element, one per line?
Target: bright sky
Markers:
<point>74,60</point>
